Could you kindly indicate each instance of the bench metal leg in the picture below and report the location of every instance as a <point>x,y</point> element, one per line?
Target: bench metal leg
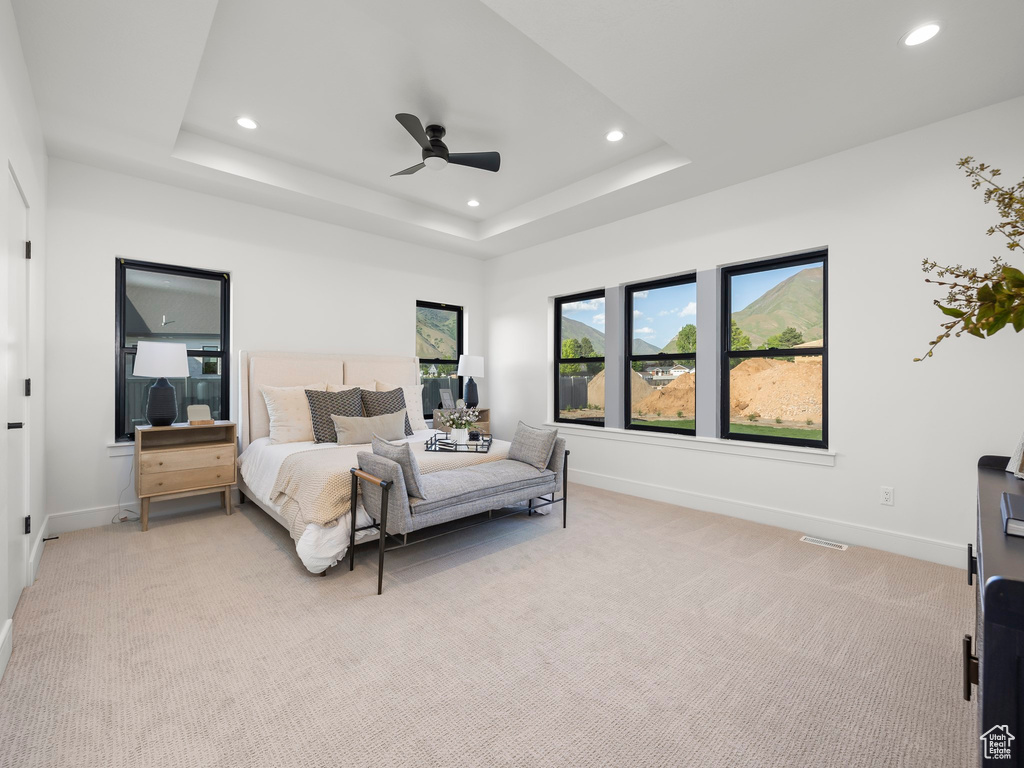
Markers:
<point>352,535</point>
<point>565,489</point>
<point>383,534</point>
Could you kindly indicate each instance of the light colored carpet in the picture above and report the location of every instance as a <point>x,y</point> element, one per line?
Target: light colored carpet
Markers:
<point>643,635</point>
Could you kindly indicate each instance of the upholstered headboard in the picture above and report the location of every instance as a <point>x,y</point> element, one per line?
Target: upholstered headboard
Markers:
<point>293,369</point>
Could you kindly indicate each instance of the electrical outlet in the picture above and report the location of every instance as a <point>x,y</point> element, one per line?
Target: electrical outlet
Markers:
<point>887,496</point>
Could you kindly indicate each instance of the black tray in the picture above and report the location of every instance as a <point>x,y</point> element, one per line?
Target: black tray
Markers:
<point>440,443</point>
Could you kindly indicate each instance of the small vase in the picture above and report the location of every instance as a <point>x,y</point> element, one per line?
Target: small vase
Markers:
<point>460,436</point>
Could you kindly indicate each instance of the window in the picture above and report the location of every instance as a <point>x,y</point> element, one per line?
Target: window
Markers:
<point>155,302</point>
<point>775,351</point>
<point>438,346</point>
<point>661,355</point>
<point>579,358</point>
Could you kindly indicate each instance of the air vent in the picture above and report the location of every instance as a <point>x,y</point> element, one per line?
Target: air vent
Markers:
<point>824,543</point>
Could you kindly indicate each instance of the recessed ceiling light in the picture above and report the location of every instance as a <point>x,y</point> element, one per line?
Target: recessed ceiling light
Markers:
<point>921,34</point>
<point>473,203</point>
<point>248,122</point>
<point>614,135</point>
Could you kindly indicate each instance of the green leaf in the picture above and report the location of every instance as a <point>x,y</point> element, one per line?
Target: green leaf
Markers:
<point>1015,276</point>
<point>986,295</point>
<point>952,312</point>
<point>1018,319</point>
<point>976,331</point>
<point>998,323</point>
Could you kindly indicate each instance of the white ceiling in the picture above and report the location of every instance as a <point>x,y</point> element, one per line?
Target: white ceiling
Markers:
<point>709,94</point>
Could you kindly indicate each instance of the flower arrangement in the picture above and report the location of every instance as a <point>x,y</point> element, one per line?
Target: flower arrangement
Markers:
<point>460,418</point>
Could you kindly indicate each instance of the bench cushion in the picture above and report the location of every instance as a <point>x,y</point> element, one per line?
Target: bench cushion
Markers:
<point>477,483</point>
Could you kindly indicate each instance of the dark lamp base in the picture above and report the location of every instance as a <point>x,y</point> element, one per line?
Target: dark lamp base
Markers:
<point>162,408</point>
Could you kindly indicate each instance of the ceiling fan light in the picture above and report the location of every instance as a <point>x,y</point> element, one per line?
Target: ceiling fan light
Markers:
<point>435,163</point>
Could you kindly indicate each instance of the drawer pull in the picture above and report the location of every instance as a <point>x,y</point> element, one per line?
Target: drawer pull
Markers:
<point>970,668</point>
<point>972,564</point>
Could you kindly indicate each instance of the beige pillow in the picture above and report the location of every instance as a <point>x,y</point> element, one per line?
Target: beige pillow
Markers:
<point>288,407</point>
<point>342,387</point>
<point>356,430</point>
<point>413,402</point>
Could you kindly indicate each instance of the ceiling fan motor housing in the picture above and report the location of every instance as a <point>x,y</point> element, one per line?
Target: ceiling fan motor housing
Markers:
<point>437,147</point>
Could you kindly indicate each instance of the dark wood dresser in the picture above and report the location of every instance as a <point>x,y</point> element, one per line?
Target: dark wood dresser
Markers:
<point>996,661</point>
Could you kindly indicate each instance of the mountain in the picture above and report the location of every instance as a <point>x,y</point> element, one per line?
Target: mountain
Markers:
<point>671,346</point>
<point>796,302</point>
<point>436,334</point>
<point>574,329</point>
<point>641,347</point>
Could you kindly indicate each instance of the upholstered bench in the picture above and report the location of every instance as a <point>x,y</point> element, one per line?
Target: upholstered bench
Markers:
<point>448,495</point>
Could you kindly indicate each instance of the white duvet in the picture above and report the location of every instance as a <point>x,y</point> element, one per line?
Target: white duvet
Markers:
<point>319,547</point>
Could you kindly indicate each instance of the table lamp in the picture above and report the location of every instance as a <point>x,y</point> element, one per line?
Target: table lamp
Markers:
<point>471,365</point>
<point>161,361</point>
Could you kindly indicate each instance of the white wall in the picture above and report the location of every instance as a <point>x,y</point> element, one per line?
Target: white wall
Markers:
<point>296,284</point>
<point>23,151</point>
<point>919,427</point>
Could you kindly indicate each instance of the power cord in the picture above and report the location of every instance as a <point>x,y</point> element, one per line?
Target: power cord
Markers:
<point>119,516</point>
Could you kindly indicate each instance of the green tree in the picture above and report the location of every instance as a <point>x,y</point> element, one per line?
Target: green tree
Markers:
<point>788,339</point>
<point>638,366</point>
<point>570,350</point>
<point>686,340</point>
<point>738,342</point>
<point>586,348</point>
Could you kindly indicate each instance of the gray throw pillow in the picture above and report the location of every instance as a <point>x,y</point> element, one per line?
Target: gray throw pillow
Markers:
<point>353,430</point>
<point>378,403</point>
<point>323,405</point>
<point>532,445</point>
<point>402,454</point>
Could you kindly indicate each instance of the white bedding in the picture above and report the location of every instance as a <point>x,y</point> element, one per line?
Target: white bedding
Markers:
<point>319,547</point>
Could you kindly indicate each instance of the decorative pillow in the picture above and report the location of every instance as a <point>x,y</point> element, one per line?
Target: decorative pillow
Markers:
<point>289,413</point>
<point>532,445</point>
<point>413,394</point>
<point>355,430</point>
<point>323,405</point>
<point>401,453</point>
<point>379,403</point>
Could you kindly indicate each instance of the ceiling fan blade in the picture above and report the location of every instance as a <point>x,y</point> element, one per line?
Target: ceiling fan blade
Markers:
<point>485,161</point>
<point>410,170</point>
<point>412,124</point>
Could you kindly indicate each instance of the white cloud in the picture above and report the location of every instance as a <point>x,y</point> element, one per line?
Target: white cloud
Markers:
<point>637,313</point>
<point>689,309</point>
<point>599,319</point>
<point>667,312</point>
<point>644,331</point>
<point>640,295</point>
<point>590,305</point>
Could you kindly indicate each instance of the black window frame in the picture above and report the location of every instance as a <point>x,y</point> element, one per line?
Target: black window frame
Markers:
<point>630,358</point>
<point>726,355</point>
<point>559,360</point>
<point>460,342</point>
<point>121,352</point>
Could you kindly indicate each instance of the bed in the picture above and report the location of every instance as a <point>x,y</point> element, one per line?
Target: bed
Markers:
<point>304,486</point>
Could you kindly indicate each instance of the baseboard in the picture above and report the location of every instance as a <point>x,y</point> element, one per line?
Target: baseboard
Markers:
<point>80,519</point>
<point>6,644</point>
<point>919,547</point>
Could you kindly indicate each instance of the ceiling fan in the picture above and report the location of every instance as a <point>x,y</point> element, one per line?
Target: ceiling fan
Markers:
<point>436,154</point>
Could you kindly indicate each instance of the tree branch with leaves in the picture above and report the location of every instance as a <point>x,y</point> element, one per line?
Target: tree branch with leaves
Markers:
<point>983,303</point>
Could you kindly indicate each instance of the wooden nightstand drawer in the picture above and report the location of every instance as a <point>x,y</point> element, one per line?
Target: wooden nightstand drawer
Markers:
<point>189,458</point>
<point>187,480</point>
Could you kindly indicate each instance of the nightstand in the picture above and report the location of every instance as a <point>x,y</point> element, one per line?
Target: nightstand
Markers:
<point>483,425</point>
<point>181,460</point>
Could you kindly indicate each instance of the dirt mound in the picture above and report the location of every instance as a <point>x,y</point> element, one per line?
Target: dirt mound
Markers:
<point>678,395</point>
<point>776,389</point>
<point>640,388</point>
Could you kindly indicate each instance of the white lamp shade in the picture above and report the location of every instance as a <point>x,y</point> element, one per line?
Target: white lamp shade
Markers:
<point>160,359</point>
<point>471,365</point>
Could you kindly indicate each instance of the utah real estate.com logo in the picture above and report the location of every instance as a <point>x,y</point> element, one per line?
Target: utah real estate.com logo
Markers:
<point>997,742</point>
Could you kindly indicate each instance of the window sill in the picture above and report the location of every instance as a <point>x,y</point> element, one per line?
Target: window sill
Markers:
<point>123,448</point>
<point>790,453</point>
